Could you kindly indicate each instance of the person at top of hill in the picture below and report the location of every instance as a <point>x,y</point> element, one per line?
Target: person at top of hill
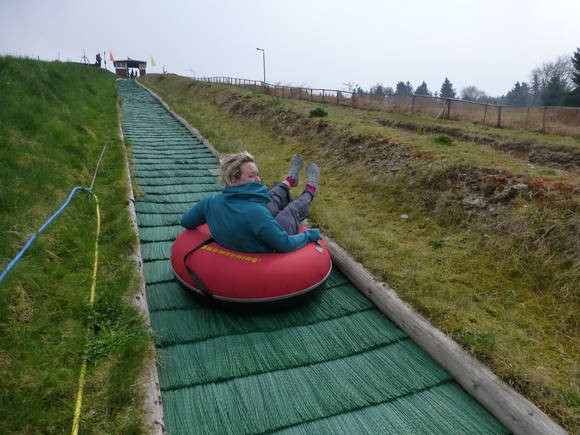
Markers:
<point>247,216</point>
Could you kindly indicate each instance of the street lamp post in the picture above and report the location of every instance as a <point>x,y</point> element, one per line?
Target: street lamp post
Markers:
<point>263,62</point>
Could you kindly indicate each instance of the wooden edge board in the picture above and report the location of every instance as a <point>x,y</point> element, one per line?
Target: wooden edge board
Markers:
<point>149,380</point>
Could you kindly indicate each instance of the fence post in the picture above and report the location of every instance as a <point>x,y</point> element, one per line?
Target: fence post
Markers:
<point>353,94</point>
<point>485,113</point>
<point>413,105</point>
<point>448,108</point>
<point>499,117</point>
<point>337,97</point>
<point>323,95</point>
<point>527,118</point>
<point>544,119</point>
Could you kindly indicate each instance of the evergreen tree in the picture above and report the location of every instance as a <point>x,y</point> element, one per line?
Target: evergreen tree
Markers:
<point>377,89</point>
<point>536,88</point>
<point>519,95</point>
<point>554,91</point>
<point>447,90</point>
<point>422,89</point>
<point>576,64</point>
<point>573,98</point>
<point>404,89</point>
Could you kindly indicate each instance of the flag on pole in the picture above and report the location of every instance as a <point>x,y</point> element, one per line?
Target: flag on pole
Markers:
<point>111,58</point>
<point>152,61</point>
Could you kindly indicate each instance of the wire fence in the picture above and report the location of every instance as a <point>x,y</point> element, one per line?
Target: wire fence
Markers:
<point>544,119</point>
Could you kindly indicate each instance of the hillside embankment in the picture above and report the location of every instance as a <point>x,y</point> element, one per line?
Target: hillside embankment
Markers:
<point>476,227</point>
<point>67,303</point>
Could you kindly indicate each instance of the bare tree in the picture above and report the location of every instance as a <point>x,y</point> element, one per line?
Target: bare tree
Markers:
<point>471,93</point>
<point>543,74</point>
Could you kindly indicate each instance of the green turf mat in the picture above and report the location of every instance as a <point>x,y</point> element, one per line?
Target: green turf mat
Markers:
<point>156,220</point>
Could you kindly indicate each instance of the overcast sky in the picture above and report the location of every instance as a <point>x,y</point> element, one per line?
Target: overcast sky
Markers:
<point>489,44</point>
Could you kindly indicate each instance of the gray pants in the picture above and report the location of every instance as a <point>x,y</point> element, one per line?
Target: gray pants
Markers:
<point>289,214</point>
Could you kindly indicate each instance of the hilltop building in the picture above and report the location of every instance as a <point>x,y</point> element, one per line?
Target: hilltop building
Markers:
<point>123,67</point>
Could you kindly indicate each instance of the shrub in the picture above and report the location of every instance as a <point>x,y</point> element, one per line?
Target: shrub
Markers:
<point>443,139</point>
<point>318,112</point>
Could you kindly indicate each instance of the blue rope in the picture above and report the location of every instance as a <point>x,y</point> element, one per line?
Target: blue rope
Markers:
<point>47,223</point>
<point>42,228</point>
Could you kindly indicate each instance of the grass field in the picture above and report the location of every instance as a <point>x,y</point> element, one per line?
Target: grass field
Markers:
<point>55,120</point>
<point>476,227</point>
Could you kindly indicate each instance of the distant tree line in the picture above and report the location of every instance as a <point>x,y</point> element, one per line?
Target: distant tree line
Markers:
<point>551,84</point>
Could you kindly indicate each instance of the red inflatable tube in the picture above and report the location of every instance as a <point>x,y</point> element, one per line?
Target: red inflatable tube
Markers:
<point>207,268</point>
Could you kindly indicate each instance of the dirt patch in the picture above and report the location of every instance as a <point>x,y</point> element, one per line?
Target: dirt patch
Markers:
<point>545,154</point>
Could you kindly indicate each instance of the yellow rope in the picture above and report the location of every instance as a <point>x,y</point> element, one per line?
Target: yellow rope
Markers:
<point>77,415</point>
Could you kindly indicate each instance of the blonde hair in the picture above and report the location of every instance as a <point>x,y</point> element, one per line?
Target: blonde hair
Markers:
<point>231,165</point>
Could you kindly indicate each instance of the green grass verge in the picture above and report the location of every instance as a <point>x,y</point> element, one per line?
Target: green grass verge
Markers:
<point>55,120</point>
<point>477,238</point>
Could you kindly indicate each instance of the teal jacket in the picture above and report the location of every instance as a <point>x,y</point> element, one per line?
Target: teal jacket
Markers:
<point>238,219</point>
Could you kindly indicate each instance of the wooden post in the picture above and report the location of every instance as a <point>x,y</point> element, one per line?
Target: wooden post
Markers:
<point>499,117</point>
<point>448,108</point>
<point>544,119</point>
<point>353,103</point>
<point>485,113</point>
<point>337,97</point>
<point>323,95</point>
<point>527,118</point>
<point>413,105</point>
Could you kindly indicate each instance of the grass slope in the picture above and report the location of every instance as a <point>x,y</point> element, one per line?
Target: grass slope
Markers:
<point>54,122</point>
<point>476,227</point>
